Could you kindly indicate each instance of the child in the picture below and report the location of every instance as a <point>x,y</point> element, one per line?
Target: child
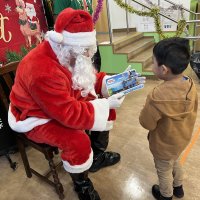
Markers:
<point>169,114</point>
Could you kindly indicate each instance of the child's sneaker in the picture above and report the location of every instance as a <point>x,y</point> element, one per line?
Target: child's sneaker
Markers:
<point>178,191</point>
<point>157,195</point>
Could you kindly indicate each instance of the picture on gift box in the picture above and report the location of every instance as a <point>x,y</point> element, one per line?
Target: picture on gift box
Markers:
<point>125,82</point>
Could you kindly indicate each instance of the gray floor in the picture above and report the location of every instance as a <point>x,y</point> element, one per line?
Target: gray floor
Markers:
<point>131,179</point>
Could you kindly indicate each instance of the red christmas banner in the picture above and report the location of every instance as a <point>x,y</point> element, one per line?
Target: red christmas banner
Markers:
<point>22,23</point>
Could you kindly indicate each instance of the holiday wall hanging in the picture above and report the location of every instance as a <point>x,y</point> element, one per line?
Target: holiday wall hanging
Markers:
<point>22,25</point>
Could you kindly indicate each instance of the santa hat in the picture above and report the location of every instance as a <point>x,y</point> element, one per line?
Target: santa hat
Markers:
<point>73,28</point>
<point>29,5</point>
<point>30,1</point>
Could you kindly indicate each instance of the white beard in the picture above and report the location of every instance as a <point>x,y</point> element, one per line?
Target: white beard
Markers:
<point>83,73</point>
<point>30,12</point>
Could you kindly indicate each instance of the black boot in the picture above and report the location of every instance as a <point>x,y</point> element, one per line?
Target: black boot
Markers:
<point>157,195</point>
<point>99,143</point>
<point>179,192</point>
<point>103,160</point>
<point>84,187</point>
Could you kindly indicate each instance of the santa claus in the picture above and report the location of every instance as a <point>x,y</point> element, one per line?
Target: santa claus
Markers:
<point>31,14</point>
<point>55,97</point>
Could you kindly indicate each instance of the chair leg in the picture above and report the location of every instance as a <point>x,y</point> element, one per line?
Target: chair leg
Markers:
<point>58,185</point>
<point>24,157</point>
<point>56,151</point>
<point>13,165</point>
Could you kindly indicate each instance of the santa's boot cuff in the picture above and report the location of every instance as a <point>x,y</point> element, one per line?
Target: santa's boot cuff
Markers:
<point>78,168</point>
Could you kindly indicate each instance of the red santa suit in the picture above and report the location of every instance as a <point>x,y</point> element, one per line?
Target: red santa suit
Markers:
<point>46,107</point>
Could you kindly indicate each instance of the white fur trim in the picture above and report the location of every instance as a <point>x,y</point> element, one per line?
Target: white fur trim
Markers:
<point>25,125</point>
<point>83,39</point>
<point>94,93</point>
<point>78,168</point>
<point>32,22</point>
<point>30,5</point>
<point>54,36</point>
<point>104,90</point>
<point>101,114</point>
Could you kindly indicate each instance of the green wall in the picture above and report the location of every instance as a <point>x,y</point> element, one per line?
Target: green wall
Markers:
<point>157,37</point>
<point>116,63</point>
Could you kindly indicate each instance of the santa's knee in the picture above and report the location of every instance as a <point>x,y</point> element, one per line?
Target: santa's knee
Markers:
<point>78,155</point>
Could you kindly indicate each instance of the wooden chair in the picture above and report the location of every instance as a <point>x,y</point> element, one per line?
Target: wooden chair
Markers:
<point>7,74</point>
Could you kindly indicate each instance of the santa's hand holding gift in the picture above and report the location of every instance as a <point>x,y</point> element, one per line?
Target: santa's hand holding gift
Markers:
<point>54,97</point>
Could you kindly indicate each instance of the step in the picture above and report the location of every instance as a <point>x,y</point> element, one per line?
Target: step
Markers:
<point>126,40</point>
<point>123,30</point>
<point>146,43</point>
<point>148,62</point>
<point>147,68</point>
<point>144,57</point>
<point>133,49</point>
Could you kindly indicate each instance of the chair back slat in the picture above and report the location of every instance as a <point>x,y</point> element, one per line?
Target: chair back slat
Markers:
<point>3,99</point>
<point>10,67</point>
<point>7,75</point>
<point>8,80</point>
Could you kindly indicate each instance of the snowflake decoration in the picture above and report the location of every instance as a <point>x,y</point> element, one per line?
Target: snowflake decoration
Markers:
<point>7,8</point>
<point>1,124</point>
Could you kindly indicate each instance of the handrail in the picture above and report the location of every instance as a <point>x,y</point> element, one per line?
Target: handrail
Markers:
<point>173,20</point>
<point>158,13</point>
<point>193,21</point>
<point>181,7</point>
<point>193,37</point>
<point>109,22</point>
<point>189,21</point>
<point>127,21</point>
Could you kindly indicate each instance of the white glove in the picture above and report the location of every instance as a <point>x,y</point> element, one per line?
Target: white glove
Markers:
<point>109,125</point>
<point>116,100</point>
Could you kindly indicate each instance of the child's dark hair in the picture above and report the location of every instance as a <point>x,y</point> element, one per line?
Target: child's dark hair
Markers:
<point>174,53</point>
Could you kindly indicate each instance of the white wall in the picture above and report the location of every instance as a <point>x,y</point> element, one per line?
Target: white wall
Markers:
<point>118,15</point>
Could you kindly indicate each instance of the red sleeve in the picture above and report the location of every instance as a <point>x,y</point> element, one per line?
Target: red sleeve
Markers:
<point>99,79</point>
<point>53,96</point>
<point>112,115</point>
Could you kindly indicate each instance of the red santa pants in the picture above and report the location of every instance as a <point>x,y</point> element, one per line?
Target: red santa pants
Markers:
<point>75,144</point>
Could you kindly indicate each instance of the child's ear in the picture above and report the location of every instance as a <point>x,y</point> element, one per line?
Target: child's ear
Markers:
<point>165,70</point>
